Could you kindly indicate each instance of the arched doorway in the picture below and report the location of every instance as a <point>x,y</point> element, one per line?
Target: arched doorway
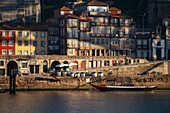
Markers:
<point>53,65</point>
<point>83,65</point>
<point>45,66</point>
<point>75,66</point>
<point>12,67</point>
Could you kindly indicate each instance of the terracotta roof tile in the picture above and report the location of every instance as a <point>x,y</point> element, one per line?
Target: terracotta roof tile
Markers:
<point>64,8</point>
<point>114,9</point>
<point>5,27</point>
<point>96,2</point>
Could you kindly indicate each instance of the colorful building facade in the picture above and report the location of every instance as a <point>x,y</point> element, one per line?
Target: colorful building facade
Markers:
<point>7,40</point>
<point>30,41</point>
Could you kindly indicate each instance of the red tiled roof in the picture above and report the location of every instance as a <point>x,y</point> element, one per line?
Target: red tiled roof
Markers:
<point>114,9</point>
<point>22,28</point>
<point>64,8</point>
<point>96,2</point>
<point>5,27</point>
<point>70,15</point>
<point>120,16</point>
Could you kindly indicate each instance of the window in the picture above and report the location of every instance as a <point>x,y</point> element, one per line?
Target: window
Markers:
<point>93,30</point>
<point>169,43</point>
<point>98,41</point>
<point>107,30</point>
<point>121,41</point>
<point>35,34</point>
<point>42,43</point>
<point>2,71</point>
<point>71,52</point>
<point>10,52</point>
<point>26,34</point>
<point>19,52</point>
<point>93,41</point>
<point>121,22</point>
<point>19,33</point>
<point>92,10</point>
<point>107,41</point>
<point>25,42</point>
<point>145,54</point>
<point>1,63</point>
<point>127,42</point>
<point>42,52</point>
<point>121,32</point>
<point>102,41</point>
<point>4,33</point>
<point>35,52</point>
<point>4,52</point>
<point>25,52</point>
<point>35,43</point>
<point>24,65</point>
<point>11,42</point>
<point>4,43</point>
<point>42,34</point>
<point>102,30</point>
<point>169,31</point>
<point>144,42</point>
<point>87,44</point>
<point>98,30</point>
<point>62,12</point>
<point>138,54</point>
<point>19,42</point>
<point>11,33</point>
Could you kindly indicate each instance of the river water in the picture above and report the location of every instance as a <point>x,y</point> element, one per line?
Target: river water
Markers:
<point>85,102</point>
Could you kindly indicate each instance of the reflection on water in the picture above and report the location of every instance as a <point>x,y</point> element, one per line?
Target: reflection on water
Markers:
<point>85,102</point>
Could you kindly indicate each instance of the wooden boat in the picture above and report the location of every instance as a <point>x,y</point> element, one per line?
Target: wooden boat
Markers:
<point>123,88</point>
<point>2,90</point>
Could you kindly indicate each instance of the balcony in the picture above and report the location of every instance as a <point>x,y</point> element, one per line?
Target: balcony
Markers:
<point>52,42</point>
<point>85,28</point>
<point>72,46</point>
<point>114,46</point>
<point>85,47</point>
<point>100,23</point>
<point>72,35</point>
<point>85,38</point>
<point>99,34</point>
<point>72,25</point>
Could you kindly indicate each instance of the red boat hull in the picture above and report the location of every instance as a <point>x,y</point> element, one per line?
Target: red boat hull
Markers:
<point>124,88</point>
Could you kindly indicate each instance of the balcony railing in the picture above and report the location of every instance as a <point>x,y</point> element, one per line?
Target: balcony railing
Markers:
<point>72,46</point>
<point>72,25</point>
<point>100,23</point>
<point>100,34</point>
<point>84,28</point>
<point>120,46</point>
<point>72,35</point>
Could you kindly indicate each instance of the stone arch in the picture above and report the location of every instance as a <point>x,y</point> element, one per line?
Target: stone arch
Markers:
<point>12,68</point>
<point>53,65</point>
<point>75,66</point>
<point>45,66</point>
<point>83,64</point>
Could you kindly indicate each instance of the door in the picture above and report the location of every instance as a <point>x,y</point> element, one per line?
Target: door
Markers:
<point>31,69</point>
<point>158,54</point>
<point>37,69</point>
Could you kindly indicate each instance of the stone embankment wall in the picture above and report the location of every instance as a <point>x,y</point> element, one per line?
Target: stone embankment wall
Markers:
<point>140,69</point>
<point>50,83</point>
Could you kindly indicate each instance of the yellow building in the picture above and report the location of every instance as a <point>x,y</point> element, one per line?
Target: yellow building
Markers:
<point>31,41</point>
